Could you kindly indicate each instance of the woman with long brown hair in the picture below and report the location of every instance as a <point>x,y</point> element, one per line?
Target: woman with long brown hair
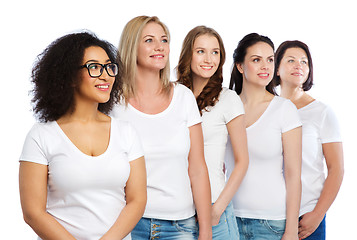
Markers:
<point>200,69</point>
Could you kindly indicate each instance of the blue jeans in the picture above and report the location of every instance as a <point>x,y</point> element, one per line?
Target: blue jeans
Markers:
<point>227,228</point>
<point>320,232</point>
<point>260,229</point>
<point>149,228</point>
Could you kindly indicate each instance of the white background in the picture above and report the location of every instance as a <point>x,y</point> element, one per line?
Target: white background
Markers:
<point>328,27</point>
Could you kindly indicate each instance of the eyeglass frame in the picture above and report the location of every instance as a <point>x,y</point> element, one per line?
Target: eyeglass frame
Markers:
<point>104,66</point>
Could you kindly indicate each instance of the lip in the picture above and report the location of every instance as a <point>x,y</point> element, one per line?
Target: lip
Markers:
<point>205,67</point>
<point>298,74</point>
<point>103,87</point>
<point>158,56</point>
<point>264,75</point>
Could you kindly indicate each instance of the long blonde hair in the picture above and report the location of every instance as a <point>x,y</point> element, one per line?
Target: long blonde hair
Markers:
<point>127,51</point>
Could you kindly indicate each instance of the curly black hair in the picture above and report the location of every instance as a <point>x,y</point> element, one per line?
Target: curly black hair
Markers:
<point>55,75</point>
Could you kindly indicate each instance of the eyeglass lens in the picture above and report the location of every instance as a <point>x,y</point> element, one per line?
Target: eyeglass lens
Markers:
<point>96,69</point>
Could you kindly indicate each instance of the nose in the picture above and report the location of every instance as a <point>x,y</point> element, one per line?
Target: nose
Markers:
<point>105,76</point>
<point>298,65</point>
<point>159,46</point>
<point>207,58</point>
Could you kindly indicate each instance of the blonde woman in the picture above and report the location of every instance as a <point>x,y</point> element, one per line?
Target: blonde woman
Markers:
<point>200,69</point>
<point>169,124</point>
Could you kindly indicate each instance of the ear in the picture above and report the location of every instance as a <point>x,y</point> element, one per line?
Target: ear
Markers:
<point>239,66</point>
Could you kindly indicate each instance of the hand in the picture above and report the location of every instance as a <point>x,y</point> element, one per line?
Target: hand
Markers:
<point>290,236</point>
<point>216,215</point>
<point>308,224</point>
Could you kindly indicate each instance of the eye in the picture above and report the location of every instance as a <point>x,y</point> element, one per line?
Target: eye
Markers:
<point>148,40</point>
<point>164,40</point>
<point>93,66</point>
<point>200,51</point>
<point>256,60</point>
<point>215,52</point>
<point>271,60</point>
<point>290,61</point>
<point>304,62</point>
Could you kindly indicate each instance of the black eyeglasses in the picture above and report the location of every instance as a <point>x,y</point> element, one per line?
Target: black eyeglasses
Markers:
<point>96,69</point>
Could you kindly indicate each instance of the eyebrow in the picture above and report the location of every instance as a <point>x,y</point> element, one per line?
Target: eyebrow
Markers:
<point>149,35</point>
<point>261,56</point>
<point>295,57</point>
<point>206,48</point>
<point>96,61</point>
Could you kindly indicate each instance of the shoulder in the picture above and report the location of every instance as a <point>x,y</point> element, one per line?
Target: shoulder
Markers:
<point>42,129</point>
<point>228,94</point>
<point>182,89</point>
<point>284,103</point>
<point>122,126</point>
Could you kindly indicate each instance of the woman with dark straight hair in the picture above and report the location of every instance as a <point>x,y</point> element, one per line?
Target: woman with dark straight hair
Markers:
<point>321,140</point>
<point>267,202</point>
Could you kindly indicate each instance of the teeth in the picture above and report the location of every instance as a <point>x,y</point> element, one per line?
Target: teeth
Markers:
<point>206,67</point>
<point>102,86</point>
<point>264,75</point>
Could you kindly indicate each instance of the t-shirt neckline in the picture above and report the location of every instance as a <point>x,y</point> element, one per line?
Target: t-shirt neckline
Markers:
<point>76,149</point>
<point>160,113</point>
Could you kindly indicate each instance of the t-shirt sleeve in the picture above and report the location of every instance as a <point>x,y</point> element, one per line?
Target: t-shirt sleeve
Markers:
<point>330,131</point>
<point>193,114</point>
<point>290,117</point>
<point>135,149</point>
<point>33,149</point>
<point>233,106</point>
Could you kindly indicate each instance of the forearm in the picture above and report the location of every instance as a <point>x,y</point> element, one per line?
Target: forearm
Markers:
<point>334,160</point>
<point>231,187</point>
<point>128,218</point>
<point>293,198</point>
<point>201,192</point>
<point>46,227</point>
<point>329,192</point>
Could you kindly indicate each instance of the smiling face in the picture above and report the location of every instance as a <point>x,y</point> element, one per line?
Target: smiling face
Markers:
<point>95,89</point>
<point>153,50</point>
<point>205,57</point>
<point>294,67</point>
<point>258,65</point>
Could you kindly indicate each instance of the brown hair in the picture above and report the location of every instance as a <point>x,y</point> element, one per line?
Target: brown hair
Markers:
<point>210,93</point>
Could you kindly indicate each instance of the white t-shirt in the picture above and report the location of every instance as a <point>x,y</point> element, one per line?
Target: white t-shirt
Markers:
<point>215,133</point>
<point>319,126</point>
<point>85,193</point>
<point>262,193</point>
<point>166,142</point>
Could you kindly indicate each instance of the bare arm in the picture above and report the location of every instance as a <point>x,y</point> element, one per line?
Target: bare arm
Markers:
<point>292,142</point>
<point>135,193</point>
<point>333,153</point>
<point>33,195</point>
<point>198,174</point>
<point>237,132</point>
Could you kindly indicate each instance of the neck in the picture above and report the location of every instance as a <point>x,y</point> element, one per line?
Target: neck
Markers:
<point>83,112</point>
<point>148,82</point>
<point>294,93</point>
<point>253,94</point>
<point>198,85</point>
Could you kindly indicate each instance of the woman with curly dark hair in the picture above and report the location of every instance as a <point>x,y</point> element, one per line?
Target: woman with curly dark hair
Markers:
<point>200,69</point>
<point>82,173</point>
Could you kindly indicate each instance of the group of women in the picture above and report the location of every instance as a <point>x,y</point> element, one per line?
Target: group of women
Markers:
<point>121,152</point>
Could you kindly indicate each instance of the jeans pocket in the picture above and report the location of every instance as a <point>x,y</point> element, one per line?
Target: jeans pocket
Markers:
<point>187,225</point>
<point>275,226</point>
